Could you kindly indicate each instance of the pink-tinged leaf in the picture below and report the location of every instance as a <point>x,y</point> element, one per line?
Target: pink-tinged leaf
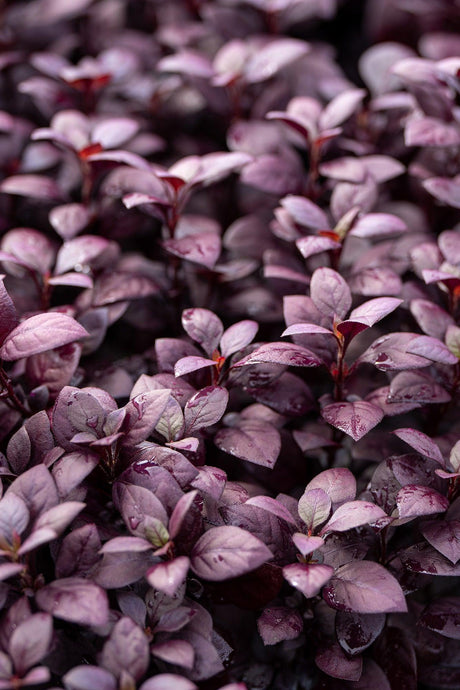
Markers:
<point>333,661</point>
<point>353,514</point>
<point>72,279</point>
<point>226,552</point>
<point>273,57</point>
<point>413,501</point>
<point>120,156</point>
<point>347,169</point>
<point>211,481</point>
<point>383,168</point>
<point>76,600</point>
<point>137,504</point>
<point>167,577</point>
<point>279,623</point>
<point>443,616</point>
<point>35,186</point>
<point>211,167</point>
<point>428,131</point>
<point>187,365</point>
<point>356,632</point>
<point>376,281</point>
<point>118,286</point>
<point>38,537</point>
<point>81,252</point>
<point>126,545</point>
<point>444,536</point>
<point>445,189</point>
<point>354,418</point>
<point>79,552</point>
<point>88,677</point>
<point>304,212</point>
<point>449,278</point>
<point>60,516</point>
<point>202,248</point>
<point>340,108</point>
<point>449,244</point>
<point>373,225</point>
<point>273,173</point>
<point>9,320</point>
<point>126,650</point>
<point>415,387</point>
<point>70,219</point>
<point>238,336</point>
<point>204,327</point>
<point>36,488</point>
<point>423,558</point>
<point>14,516</point>
<point>31,248</point>
<point>143,414</point>
<point>431,348</point>
<point>30,641</point>
<point>350,329</point>
<point>330,293</point>
<point>338,483</point>
<point>285,354</point>
<point>114,131</point>
<point>177,652</point>
<point>167,681</point>
<point>390,353</point>
<point>431,318</point>
<point>308,578</point>
<point>41,333</point>
<point>421,443</point>
<point>180,513</point>
<point>273,506</point>
<point>253,441</point>
<point>314,507</point>
<point>285,273</point>
<point>311,245</point>
<point>205,408</point>
<point>301,328</point>
<point>187,62</point>
<point>364,587</point>
<point>306,544</point>
<point>9,570</point>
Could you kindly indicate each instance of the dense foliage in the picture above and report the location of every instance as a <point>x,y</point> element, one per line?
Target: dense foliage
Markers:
<point>230,344</point>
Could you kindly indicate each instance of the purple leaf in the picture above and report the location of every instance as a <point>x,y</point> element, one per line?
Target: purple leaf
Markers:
<point>204,327</point>
<point>431,348</point>
<point>88,677</point>
<point>353,514</point>
<point>30,641</point>
<point>428,131</point>
<point>364,587</point>
<point>187,365</point>
<point>376,281</point>
<point>76,600</point>
<point>166,681</point>
<point>444,536</point>
<point>167,577</point>
<point>444,189</point>
<point>272,57</point>
<point>121,569</point>
<point>413,501</point>
<point>273,506</point>
<point>356,631</point>
<point>37,489</point>
<point>41,333</point>
<point>443,616</point>
<point>390,353</point>
<point>9,319</point>
<point>79,552</point>
<point>308,578</point>
<point>314,508</point>
<point>31,248</point>
<point>201,248</point>
<point>374,310</point>
<point>431,318</point>
<point>301,328</point>
<point>126,544</point>
<point>60,516</point>
<point>127,649</point>
<point>69,220</point>
<point>279,623</point>
<point>205,408</point>
<point>178,652</point>
<point>311,245</point>
<point>187,62</point>
<point>285,354</point>
<point>137,504</point>
<point>330,292</point>
<point>421,443</point>
<point>227,552</point>
<point>82,253</point>
<point>340,108</point>
<point>253,441</point>
<point>338,483</point>
<point>35,186</point>
<point>238,336</point>
<point>333,661</point>
<point>423,558</point>
<point>356,418</point>
<point>143,414</point>
<point>14,515</point>
<point>377,225</point>
<point>304,212</point>
<point>273,174</point>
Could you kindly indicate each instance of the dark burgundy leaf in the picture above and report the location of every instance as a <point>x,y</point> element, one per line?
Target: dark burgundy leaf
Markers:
<point>279,623</point>
<point>333,661</point>
<point>444,535</point>
<point>357,631</point>
<point>443,616</point>
<point>421,443</point>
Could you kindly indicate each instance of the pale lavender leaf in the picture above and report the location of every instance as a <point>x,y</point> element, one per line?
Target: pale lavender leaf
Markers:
<point>127,649</point>
<point>79,552</point>
<point>423,558</point>
<point>314,507</point>
<point>202,248</point>
<point>414,501</point>
<point>253,441</point>
<point>285,354</point>
<point>191,363</point>
<point>428,131</point>
<point>205,408</point>
<point>444,536</point>
<point>60,516</point>
<point>304,212</point>
<point>421,443</point>
<point>340,108</point>
<point>306,544</point>
<point>445,189</point>
<point>376,225</point>
<point>69,220</point>
<point>166,681</point>
<point>14,515</point>
<point>431,318</point>
<point>390,353</point>
<point>273,57</point>
<point>180,512</point>
<point>204,327</point>
<point>35,186</point>
<point>338,482</point>
<point>30,641</point>
<point>353,514</point>
<point>190,444</point>
<point>238,336</point>
<point>114,131</point>
<point>364,587</point>
<point>117,570</point>
<point>333,661</point>
<point>73,279</point>
<point>227,552</point>
<point>330,292</point>
<point>354,418</point>
<point>41,333</point>
<point>31,248</point>
<point>70,470</point>
<point>136,505</point>
<point>279,623</point>
<point>311,245</point>
<point>36,539</point>
<point>88,677</point>
<point>167,577</point>
<point>188,62</point>
<point>81,253</point>
<point>431,348</point>
<point>9,570</point>
<point>299,328</point>
<point>347,169</point>
<point>449,244</point>
<point>272,506</point>
<point>308,578</point>
<point>143,414</point>
<point>126,544</point>
<point>36,488</point>
<point>211,481</point>
<point>383,168</point>
<point>177,652</point>
<point>9,320</point>
<point>273,173</point>
<point>375,281</point>
<point>76,600</point>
